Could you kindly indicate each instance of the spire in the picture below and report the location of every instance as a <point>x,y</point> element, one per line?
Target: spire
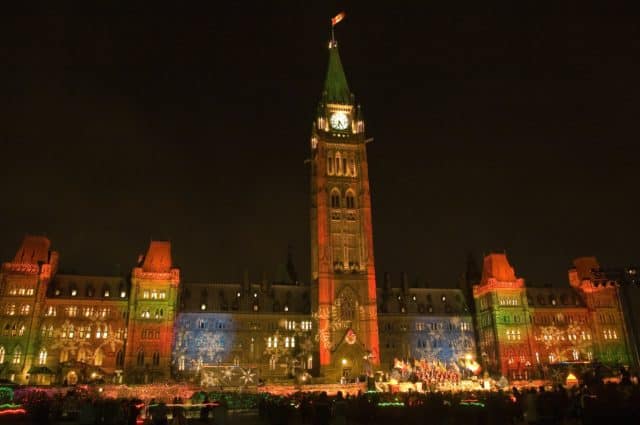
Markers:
<point>336,89</point>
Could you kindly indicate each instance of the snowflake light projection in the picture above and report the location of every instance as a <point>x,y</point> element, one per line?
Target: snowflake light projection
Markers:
<point>442,340</point>
<point>86,339</point>
<point>199,343</point>
<point>563,343</point>
<point>336,323</point>
<point>227,376</point>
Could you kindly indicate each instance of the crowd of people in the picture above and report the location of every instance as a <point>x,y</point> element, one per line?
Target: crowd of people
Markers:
<point>593,402</point>
<point>431,374</point>
<point>601,403</point>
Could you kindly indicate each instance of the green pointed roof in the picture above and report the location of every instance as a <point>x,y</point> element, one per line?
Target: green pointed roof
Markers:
<point>336,89</point>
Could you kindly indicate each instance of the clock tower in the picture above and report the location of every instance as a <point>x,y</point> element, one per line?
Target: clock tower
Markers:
<point>342,262</point>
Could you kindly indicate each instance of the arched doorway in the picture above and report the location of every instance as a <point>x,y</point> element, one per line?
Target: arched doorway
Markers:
<point>72,378</point>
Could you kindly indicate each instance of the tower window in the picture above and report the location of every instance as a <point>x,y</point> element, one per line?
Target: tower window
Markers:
<point>335,199</point>
<point>351,202</point>
<point>330,165</point>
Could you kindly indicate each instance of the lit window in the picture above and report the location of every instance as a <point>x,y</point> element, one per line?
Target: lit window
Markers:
<point>154,295</point>
<point>74,292</point>
<point>123,294</point>
<point>269,342</point>
<point>162,295</point>
<point>237,294</point>
<point>255,295</point>
<point>106,293</point>
<point>10,310</point>
<point>203,307</point>
<point>98,357</point>
<point>17,356</point>
<point>42,357</point>
<point>145,294</point>
<point>25,309</point>
<point>2,353</point>
<point>255,307</point>
<point>181,362</point>
<point>286,308</point>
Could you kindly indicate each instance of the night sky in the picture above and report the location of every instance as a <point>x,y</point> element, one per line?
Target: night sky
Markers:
<point>497,127</point>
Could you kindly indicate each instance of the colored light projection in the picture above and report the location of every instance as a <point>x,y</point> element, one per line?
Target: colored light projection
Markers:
<point>227,376</point>
<point>202,340</point>
<point>442,339</point>
<point>84,340</point>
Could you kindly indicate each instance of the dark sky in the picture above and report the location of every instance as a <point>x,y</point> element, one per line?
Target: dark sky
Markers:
<point>497,127</point>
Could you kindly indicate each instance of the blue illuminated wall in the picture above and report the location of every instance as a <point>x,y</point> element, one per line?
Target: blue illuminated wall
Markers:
<point>446,339</point>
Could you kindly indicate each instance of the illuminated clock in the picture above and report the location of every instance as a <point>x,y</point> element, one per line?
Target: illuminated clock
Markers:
<point>339,120</point>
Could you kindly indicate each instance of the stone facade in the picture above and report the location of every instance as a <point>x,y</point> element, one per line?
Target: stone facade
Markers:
<point>150,326</point>
<point>522,331</point>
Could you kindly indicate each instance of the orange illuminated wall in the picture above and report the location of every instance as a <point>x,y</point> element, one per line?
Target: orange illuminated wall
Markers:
<point>343,268</point>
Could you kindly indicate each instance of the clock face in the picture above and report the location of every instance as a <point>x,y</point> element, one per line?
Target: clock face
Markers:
<point>339,121</point>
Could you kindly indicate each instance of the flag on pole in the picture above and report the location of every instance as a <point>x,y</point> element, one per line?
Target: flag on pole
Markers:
<point>339,17</point>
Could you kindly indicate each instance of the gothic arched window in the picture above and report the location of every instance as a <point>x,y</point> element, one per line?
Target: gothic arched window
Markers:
<point>98,358</point>
<point>156,358</point>
<point>17,355</point>
<point>140,358</point>
<point>347,309</point>
<point>335,198</point>
<point>42,357</point>
<point>350,200</point>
